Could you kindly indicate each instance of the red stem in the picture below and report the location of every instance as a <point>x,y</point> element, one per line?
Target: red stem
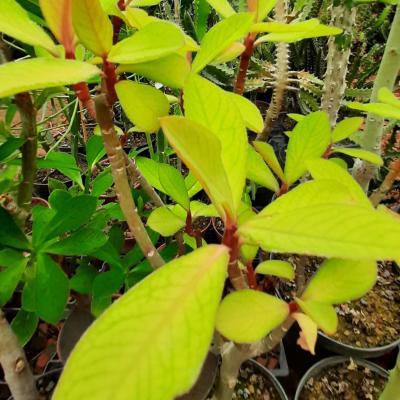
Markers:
<point>251,276</point>
<point>110,80</point>
<point>244,63</point>
<point>117,22</point>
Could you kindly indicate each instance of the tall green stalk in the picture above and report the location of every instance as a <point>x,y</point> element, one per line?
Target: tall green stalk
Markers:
<point>363,171</point>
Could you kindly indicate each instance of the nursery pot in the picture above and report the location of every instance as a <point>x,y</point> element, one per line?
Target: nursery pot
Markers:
<point>331,362</point>
<point>204,384</point>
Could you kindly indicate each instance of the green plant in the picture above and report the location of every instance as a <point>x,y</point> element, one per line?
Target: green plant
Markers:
<point>157,335</point>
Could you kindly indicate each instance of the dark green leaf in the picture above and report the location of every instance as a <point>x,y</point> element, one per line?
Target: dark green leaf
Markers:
<point>82,281</point>
<point>10,234</point>
<point>95,151</point>
<point>12,144</point>
<point>24,325</point>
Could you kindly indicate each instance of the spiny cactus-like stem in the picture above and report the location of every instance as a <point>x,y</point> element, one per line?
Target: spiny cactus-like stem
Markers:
<point>363,171</point>
<point>282,75</point>
<point>338,59</point>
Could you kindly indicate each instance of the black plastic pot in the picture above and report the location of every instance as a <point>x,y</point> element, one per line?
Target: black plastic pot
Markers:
<point>208,375</point>
<point>331,362</point>
<point>352,351</point>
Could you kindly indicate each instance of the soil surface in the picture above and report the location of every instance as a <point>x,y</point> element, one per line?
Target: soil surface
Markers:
<point>347,381</point>
<point>373,320</point>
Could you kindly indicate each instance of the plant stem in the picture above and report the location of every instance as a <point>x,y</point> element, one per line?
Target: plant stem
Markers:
<point>15,365</point>
<point>118,165</point>
<point>338,58</point>
<point>363,171</point>
<point>244,63</point>
<point>387,184</point>
<point>282,66</point>
<point>29,149</point>
<point>392,388</point>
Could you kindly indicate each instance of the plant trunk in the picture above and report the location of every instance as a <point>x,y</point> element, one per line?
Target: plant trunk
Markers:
<point>27,111</point>
<point>338,59</point>
<point>363,171</point>
<point>118,165</point>
<point>16,369</point>
<point>392,389</point>
<point>282,66</point>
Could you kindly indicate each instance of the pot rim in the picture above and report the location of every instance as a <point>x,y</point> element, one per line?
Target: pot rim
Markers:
<point>333,361</point>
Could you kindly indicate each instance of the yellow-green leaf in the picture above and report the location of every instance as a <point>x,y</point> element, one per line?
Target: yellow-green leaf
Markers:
<point>159,315</point>
<point>264,7</point>
<point>250,113</point>
<point>165,220</point>
<point>144,3</point>
<point>40,73</point>
<point>308,333</point>
<point>58,16</point>
<point>282,269</point>
<point>153,41</point>
<point>171,70</point>
<point>258,172</point>
<point>230,53</point>
<point>143,104</point>
<point>280,27</point>
<point>92,26</point>
<point>346,128</point>
<point>222,7</point>
<point>137,18</point>
<point>174,184</point>
<point>309,140</point>
<point>268,154</point>
<point>15,22</point>
<point>209,105</point>
<point>386,96</point>
<point>220,36</point>
<point>382,109</point>
<point>200,150</point>
<point>338,281</point>
<point>326,230</point>
<point>366,155</point>
<point>328,170</point>
<point>324,315</point>
<point>246,316</point>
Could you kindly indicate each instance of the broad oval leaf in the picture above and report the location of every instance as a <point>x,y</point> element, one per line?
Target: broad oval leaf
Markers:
<point>143,104</point>
<point>264,7</point>
<point>51,289</point>
<point>154,41</point>
<point>258,172</point>
<point>280,27</point>
<point>58,16</point>
<point>381,109</point>
<point>159,315</point>
<point>321,169</point>
<point>15,22</point>
<point>346,128</point>
<point>338,281</point>
<point>200,150</point>
<point>327,230</point>
<point>222,7</point>
<point>220,36</point>
<point>10,233</point>
<point>366,155</point>
<point>40,73</point>
<point>308,333</point>
<point>24,325</point>
<point>246,316</point>
<point>268,154</point>
<point>324,315</point>
<point>171,70</point>
<point>174,184</point>
<point>211,106</point>
<point>92,26</point>
<point>250,113</point>
<point>309,140</point>
<point>280,268</point>
<point>165,221</point>
<point>386,96</point>
<point>230,53</point>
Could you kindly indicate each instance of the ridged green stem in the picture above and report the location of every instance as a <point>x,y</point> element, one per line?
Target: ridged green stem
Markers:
<point>363,171</point>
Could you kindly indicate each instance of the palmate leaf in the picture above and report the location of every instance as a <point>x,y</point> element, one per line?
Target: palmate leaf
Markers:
<point>15,22</point>
<point>209,105</point>
<point>328,230</point>
<point>40,73</point>
<point>159,315</point>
